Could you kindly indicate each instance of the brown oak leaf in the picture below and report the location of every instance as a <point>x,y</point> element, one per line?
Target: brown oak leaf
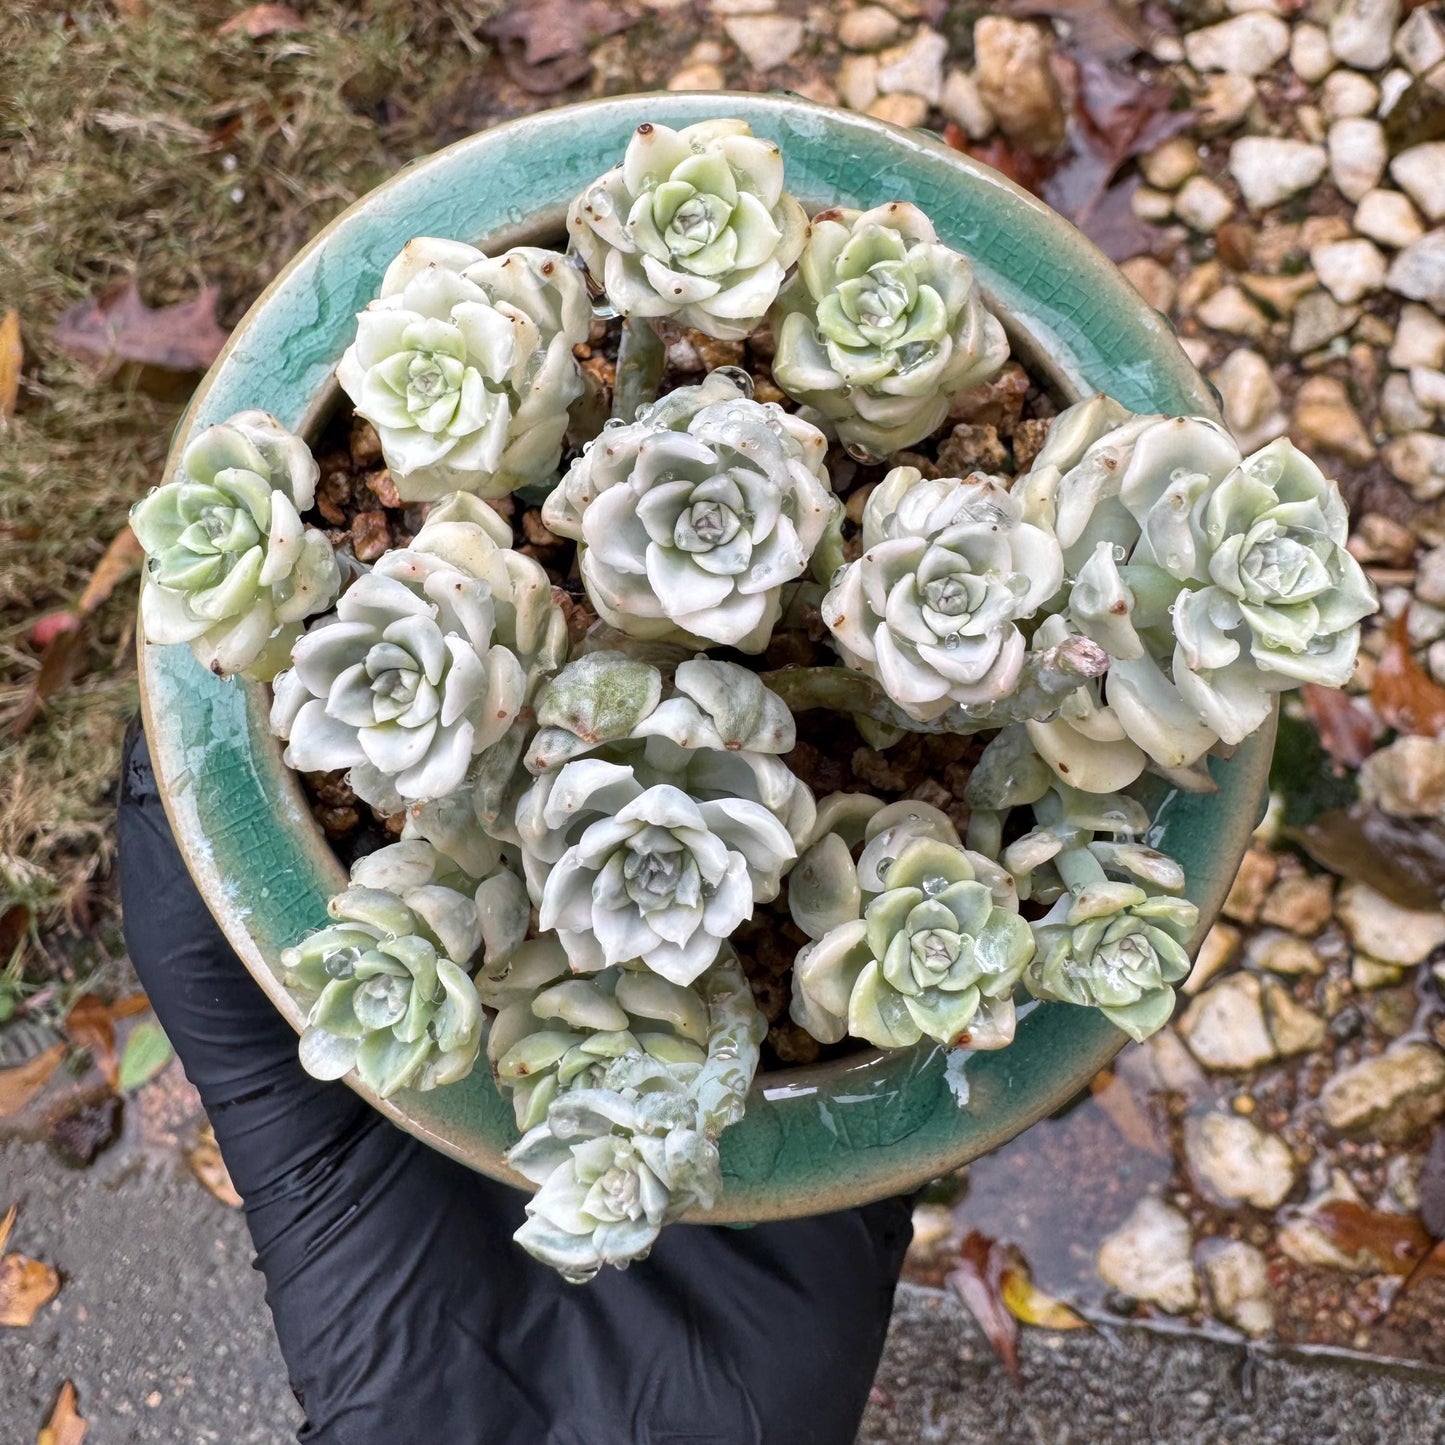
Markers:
<point>118,326</point>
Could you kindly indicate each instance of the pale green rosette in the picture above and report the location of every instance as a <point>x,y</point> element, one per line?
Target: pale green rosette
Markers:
<point>230,569</point>
<point>386,984</point>
<point>882,327</point>
<point>694,224</point>
<point>1115,947</point>
<point>921,938</point>
<point>464,365</point>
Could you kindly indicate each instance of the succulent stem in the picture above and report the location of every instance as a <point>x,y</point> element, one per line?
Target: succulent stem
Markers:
<point>640,359</point>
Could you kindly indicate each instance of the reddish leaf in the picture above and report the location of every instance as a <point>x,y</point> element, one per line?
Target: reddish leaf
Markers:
<point>49,625</point>
<point>1397,1241</point>
<point>1403,694</point>
<point>26,1285</point>
<point>1347,731</point>
<point>1431,1266</point>
<point>12,358</point>
<point>1021,166</point>
<point>118,326</point>
<point>15,924</point>
<point>1403,858</point>
<point>977,1280</point>
<point>259,21</point>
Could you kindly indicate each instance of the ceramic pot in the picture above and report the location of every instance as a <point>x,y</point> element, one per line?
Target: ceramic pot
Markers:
<point>814,1138</point>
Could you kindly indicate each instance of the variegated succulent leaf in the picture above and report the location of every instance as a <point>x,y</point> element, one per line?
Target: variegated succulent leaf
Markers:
<point>882,327</point>
<point>694,224</point>
<point>694,516</point>
<point>230,569</point>
<point>464,366</point>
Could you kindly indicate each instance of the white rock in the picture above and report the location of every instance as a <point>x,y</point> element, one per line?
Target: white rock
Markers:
<point>1349,270</point>
<point>741,7</point>
<point>1237,1163</point>
<point>1418,272</point>
<point>1151,205</point>
<point>1015,73</point>
<point>1202,205</point>
<point>1407,778</point>
<point>1362,30</point>
<point>1225,101</point>
<point>766,41</point>
<point>1252,402</point>
<point>1357,155</point>
<point>1294,1028</point>
<point>858,81</point>
<point>869,28</point>
<point>1225,1028</point>
<point>1248,44</point>
<point>1389,218</point>
<point>1400,409</point>
<point>1390,1096</point>
<point>703,76</point>
<point>1230,310</point>
<point>1420,41</point>
<point>1347,93</point>
<point>1393,84</point>
<point>1385,930</point>
<point>962,102</point>
<point>1428,386</point>
<point>900,108</point>
<point>915,68</point>
<point>1419,341</point>
<point>1148,1257</point>
<point>1269,169</point>
<point>1282,952</point>
<point>1168,166</point>
<point>1418,460</point>
<point>1310,56</point>
<point>1430,580</point>
<point>1318,319</point>
<point>1238,1277</point>
<point>1421,172</point>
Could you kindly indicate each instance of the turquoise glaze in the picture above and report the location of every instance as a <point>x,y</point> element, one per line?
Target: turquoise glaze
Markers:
<point>813,1139</point>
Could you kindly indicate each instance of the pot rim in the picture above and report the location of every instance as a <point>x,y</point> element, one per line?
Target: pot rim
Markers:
<point>822,1136</point>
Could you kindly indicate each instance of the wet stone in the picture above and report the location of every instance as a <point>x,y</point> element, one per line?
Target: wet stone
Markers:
<point>1386,931</point>
<point>1389,1097</point>
<point>1148,1258</point>
<point>1236,1163</point>
<point>1225,1026</point>
<point>1238,1278</point>
<point>1302,903</point>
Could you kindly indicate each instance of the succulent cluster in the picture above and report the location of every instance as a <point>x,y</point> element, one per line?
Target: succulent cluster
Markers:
<point>593,797</point>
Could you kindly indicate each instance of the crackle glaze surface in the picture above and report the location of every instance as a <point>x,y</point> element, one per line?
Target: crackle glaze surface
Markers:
<point>814,1139</point>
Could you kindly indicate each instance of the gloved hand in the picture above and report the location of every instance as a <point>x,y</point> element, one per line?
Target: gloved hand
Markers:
<point>404,1310</point>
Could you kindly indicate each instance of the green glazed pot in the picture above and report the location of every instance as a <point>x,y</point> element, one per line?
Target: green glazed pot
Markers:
<point>814,1139</point>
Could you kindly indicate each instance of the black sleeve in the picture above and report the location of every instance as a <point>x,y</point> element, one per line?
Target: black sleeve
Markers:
<point>403,1308</point>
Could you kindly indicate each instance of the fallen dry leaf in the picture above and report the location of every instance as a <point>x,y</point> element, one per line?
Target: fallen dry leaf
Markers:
<point>1347,731</point>
<point>1397,1241</point>
<point>26,1286</point>
<point>62,634</point>
<point>977,1280</point>
<point>259,21</point>
<point>1028,1304</point>
<point>91,1025</point>
<point>544,43</point>
<point>7,1225</point>
<point>1097,26</point>
<point>66,1426</point>
<point>1018,163</point>
<point>205,1159</point>
<point>118,326</point>
<point>12,358</point>
<point>1403,694</point>
<point>18,1086</point>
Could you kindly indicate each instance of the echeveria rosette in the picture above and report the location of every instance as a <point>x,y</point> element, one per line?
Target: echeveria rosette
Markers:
<point>709,728</point>
<point>631,873</point>
<point>932,607</point>
<point>424,666</point>
<point>555,1032</point>
<point>882,326</point>
<point>919,937</point>
<point>386,983</point>
<point>619,1158</point>
<point>694,224</point>
<point>230,569</point>
<point>1116,947</point>
<point>693,517</point>
<point>464,365</point>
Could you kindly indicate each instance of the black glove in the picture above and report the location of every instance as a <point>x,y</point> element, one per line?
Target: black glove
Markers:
<point>404,1310</point>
